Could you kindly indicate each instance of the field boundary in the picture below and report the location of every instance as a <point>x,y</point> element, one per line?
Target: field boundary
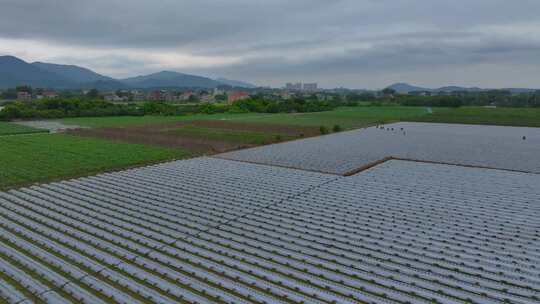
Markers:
<point>386,159</point>
<point>461,165</point>
<point>273,165</point>
<point>368,166</point>
<point>470,124</point>
<point>374,164</point>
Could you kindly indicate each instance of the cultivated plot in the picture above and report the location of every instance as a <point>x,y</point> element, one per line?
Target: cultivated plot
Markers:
<point>526,117</point>
<point>510,148</point>
<point>26,159</point>
<point>202,136</point>
<point>218,231</point>
<point>402,232</point>
<point>8,128</point>
<point>116,238</point>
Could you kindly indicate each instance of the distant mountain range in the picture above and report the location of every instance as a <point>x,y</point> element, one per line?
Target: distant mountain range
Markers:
<point>404,88</point>
<point>169,79</point>
<point>72,72</point>
<point>15,72</point>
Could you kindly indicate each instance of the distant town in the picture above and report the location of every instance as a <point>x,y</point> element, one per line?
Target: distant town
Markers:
<point>219,94</point>
<point>223,94</point>
<point>23,81</point>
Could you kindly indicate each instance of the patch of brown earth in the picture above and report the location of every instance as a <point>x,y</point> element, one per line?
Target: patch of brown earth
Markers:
<point>156,134</point>
<point>264,128</point>
<point>286,130</point>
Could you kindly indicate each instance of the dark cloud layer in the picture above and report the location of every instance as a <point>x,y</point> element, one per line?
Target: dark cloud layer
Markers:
<point>357,43</point>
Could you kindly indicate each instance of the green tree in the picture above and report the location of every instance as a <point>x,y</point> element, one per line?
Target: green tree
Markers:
<point>9,94</point>
<point>323,130</point>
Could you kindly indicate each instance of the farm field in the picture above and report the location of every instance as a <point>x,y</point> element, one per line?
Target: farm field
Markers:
<point>41,157</point>
<point>208,230</point>
<point>346,117</point>
<point>247,137</point>
<point>126,121</point>
<point>211,134</point>
<point>524,117</point>
<point>510,148</point>
<point>202,136</point>
<point>7,128</point>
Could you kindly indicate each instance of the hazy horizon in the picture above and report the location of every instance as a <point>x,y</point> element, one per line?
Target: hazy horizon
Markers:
<point>360,44</point>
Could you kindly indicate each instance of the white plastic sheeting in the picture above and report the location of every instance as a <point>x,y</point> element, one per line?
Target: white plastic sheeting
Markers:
<point>340,153</point>
<point>218,231</point>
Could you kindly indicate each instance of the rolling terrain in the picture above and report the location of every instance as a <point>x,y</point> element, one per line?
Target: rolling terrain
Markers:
<point>16,72</point>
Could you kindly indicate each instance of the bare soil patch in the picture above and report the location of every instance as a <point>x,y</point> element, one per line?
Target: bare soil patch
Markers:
<point>160,135</point>
<point>240,126</point>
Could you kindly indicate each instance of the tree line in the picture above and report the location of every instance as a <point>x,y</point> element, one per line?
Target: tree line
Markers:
<point>85,107</point>
<point>500,98</point>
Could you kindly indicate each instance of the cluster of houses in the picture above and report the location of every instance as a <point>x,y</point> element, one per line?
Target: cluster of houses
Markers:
<point>27,96</point>
<point>175,96</point>
<point>194,96</point>
<point>305,87</point>
<point>277,95</point>
<point>157,95</point>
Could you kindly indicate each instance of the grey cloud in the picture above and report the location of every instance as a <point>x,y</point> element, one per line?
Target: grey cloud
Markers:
<point>161,23</point>
<point>390,58</point>
<point>334,42</point>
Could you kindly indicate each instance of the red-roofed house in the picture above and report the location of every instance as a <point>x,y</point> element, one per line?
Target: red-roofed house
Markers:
<point>24,96</point>
<point>186,96</point>
<point>236,96</point>
<point>49,94</point>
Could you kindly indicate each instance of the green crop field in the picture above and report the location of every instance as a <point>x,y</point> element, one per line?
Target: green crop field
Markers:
<point>125,121</point>
<point>44,157</point>
<point>347,117</point>
<point>41,157</point>
<point>247,137</point>
<point>119,121</point>
<point>7,128</point>
<point>524,117</point>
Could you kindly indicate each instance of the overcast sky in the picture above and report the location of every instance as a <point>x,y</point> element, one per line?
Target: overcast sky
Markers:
<point>351,43</point>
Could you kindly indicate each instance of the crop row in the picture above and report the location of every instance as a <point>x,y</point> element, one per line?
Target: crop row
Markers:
<point>217,231</point>
<point>341,153</point>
